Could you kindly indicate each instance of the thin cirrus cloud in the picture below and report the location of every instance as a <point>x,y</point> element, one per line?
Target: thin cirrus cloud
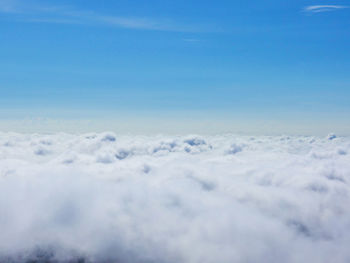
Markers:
<point>323,8</point>
<point>69,15</point>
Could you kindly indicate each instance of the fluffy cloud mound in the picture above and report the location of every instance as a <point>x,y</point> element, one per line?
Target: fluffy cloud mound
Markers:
<point>106,198</point>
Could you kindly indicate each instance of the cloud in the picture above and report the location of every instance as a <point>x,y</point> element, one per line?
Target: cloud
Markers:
<point>323,8</point>
<point>191,40</point>
<point>69,15</point>
<point>100,197</point>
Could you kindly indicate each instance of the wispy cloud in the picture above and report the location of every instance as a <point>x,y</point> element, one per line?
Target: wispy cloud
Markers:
<point>323,8</point>
<point>70,15</point>
<point>191,40</point>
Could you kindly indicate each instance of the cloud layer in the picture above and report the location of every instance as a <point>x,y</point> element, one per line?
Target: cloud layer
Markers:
<point>104,198</point>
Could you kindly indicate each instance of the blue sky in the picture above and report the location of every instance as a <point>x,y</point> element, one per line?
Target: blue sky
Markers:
<point>282,64</point>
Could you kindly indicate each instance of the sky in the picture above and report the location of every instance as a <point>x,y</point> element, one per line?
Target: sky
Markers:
<point>182,66</point>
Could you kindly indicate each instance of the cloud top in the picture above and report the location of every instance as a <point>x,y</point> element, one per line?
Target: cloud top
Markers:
<point>100,197</point>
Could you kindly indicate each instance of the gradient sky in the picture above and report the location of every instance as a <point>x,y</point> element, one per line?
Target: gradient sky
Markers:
<point>240,64</point>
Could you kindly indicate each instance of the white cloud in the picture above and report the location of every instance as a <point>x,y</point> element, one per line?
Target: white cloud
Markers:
<point>193,199</point>
<point>323,8</point>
